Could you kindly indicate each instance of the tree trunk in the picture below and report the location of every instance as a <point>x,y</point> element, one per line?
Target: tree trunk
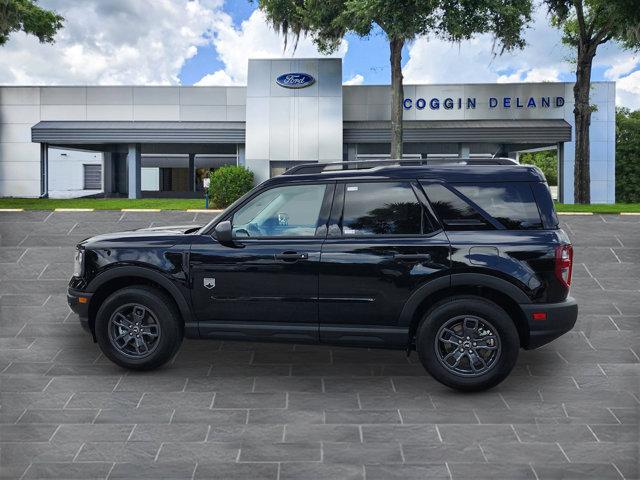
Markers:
<point>397,96</point>
<point>582,115</point>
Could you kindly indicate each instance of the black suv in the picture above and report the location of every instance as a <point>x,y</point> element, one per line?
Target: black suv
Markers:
<point>464,263</point>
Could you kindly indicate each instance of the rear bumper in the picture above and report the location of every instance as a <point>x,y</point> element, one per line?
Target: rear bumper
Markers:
<point>81,309</point>
<point>561,317</point>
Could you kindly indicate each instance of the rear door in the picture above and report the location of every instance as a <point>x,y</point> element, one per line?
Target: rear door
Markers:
<point>383,243</point>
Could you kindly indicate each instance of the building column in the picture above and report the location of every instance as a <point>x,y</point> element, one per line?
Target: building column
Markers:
<point>134,164</point>
<point>44,170</point>
<point>464,150</point>
<point>560,154</point>
<point>192,172</point>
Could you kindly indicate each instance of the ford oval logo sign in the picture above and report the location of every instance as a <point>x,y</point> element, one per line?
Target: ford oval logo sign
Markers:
<point>295,80</point>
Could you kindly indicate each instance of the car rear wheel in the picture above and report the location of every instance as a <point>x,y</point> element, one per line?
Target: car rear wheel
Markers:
<point>138,328</point>
<point>468,343</point>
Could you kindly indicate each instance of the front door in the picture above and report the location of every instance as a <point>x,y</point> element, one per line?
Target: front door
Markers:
<point>265,285</point>
<point>383,243</point>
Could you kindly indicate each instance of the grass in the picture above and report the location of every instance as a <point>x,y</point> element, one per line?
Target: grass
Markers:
<point>102,203</point>
<point>198,203</point>
<point>599,207</point>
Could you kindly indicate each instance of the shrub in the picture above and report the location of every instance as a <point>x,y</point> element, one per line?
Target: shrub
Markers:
<point>547,161</point>
<point>228,184</point>
<point>627,156</point>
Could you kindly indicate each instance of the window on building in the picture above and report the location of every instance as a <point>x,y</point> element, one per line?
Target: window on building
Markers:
<point>383,208</point>
<point>282,211</point>
<point>92,177</point>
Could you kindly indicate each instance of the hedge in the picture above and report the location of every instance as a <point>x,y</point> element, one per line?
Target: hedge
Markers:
<point>627,156</point>
<point>228,184</point>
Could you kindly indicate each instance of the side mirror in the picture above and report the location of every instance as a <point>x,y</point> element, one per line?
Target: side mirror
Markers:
<point>224,232</point>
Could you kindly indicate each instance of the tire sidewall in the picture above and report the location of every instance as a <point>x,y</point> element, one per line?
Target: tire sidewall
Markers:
<point>486,310</point>
<point>160,306</point>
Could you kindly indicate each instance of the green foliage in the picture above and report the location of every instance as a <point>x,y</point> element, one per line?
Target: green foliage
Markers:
<point>627,155</point>
<point>28,17</point>
<point>327,21</point>
<point>547,161</point>
<point>594,22</point>
<point>228,184</point>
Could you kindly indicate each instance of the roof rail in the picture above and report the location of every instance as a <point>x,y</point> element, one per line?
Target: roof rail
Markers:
<point>307,168</point>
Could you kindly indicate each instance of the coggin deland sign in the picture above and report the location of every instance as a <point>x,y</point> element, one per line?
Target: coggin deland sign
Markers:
<point>469,103</point>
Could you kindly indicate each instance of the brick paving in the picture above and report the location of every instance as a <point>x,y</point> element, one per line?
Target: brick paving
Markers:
<point>265,411</point>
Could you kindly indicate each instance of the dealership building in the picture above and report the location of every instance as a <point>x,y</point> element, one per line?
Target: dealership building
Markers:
<point>144,141</point>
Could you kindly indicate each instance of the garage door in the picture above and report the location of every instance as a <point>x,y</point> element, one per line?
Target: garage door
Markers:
<point>93,177</point>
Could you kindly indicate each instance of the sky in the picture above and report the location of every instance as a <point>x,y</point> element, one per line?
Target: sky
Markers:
<point>208,42</point>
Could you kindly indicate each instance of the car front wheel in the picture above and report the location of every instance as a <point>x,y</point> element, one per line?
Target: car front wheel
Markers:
<point>138,328</point>
<point>468,343</point>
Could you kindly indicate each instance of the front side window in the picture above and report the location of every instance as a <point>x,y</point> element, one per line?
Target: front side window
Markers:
<point>383,208</point>
<point>289,211</point>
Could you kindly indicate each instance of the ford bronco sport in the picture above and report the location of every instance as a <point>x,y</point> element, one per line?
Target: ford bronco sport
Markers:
<point>463,262</point>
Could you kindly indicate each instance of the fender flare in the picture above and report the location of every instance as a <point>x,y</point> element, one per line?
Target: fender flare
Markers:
<point>149,274</point>
<point>458,280</point>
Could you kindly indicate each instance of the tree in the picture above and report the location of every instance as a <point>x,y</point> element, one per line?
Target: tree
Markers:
<point>28,17</point>
<point>627,156</point>
<point>587,24</point>
<point>327,22</point>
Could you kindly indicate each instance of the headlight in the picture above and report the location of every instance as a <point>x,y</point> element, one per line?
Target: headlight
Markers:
<point>78,263</point>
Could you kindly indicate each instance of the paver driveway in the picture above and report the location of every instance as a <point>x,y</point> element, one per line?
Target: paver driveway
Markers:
<point>235,410</point>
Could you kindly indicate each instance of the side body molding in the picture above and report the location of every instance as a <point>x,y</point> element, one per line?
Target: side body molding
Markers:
<point>191,327</point>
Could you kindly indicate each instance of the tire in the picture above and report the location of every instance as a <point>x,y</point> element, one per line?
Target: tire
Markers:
<point>444,331</point>
<point>146,311</point>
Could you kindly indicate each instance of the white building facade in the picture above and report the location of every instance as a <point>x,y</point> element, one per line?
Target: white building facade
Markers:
<point>162,141</point>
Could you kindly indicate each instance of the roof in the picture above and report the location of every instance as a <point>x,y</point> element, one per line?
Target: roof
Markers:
<point>87,132</point>
<point>448,173</point>
<point>499,131</point>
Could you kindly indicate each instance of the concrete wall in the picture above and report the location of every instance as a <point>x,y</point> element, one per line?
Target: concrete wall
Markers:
<point>66,171</point>
<point>23,107</point>
<point>286,124</point>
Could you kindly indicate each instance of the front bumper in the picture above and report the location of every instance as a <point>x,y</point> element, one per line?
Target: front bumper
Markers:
<point>560,318</point>
<point>80,307</point>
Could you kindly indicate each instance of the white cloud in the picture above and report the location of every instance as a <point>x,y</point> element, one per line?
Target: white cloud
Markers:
<point>531,75</point>
<point>357,79</point>
<point>435,61</point>
<point>545,58</point>
<point>114,42</point>
<point>628,91</point>
<point>219,77</point>
<point>253,39</point>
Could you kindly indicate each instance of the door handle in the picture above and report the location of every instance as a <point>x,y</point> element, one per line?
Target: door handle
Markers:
<point>291,256</point>
<point>412,257</point>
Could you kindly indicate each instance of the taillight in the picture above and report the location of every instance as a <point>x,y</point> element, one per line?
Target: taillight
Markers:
<point>564,264</point>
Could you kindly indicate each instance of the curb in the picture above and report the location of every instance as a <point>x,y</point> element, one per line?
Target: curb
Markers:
<point>574,213</point>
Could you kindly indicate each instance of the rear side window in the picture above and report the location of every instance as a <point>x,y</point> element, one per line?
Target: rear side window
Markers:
<point>470,206</point>
<point>512,204</point>
<point>383,208</point>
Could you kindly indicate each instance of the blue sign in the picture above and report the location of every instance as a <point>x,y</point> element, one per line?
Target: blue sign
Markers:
<point>469,103</point>
<point>295,80</point>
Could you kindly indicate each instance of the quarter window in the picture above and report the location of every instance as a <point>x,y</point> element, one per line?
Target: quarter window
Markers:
<point>282,211</point>
<point>453,211</point>
<point>383,208</point>
<point>512,204</point>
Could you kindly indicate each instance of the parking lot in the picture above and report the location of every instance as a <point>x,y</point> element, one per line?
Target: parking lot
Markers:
<point>237,410</point>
